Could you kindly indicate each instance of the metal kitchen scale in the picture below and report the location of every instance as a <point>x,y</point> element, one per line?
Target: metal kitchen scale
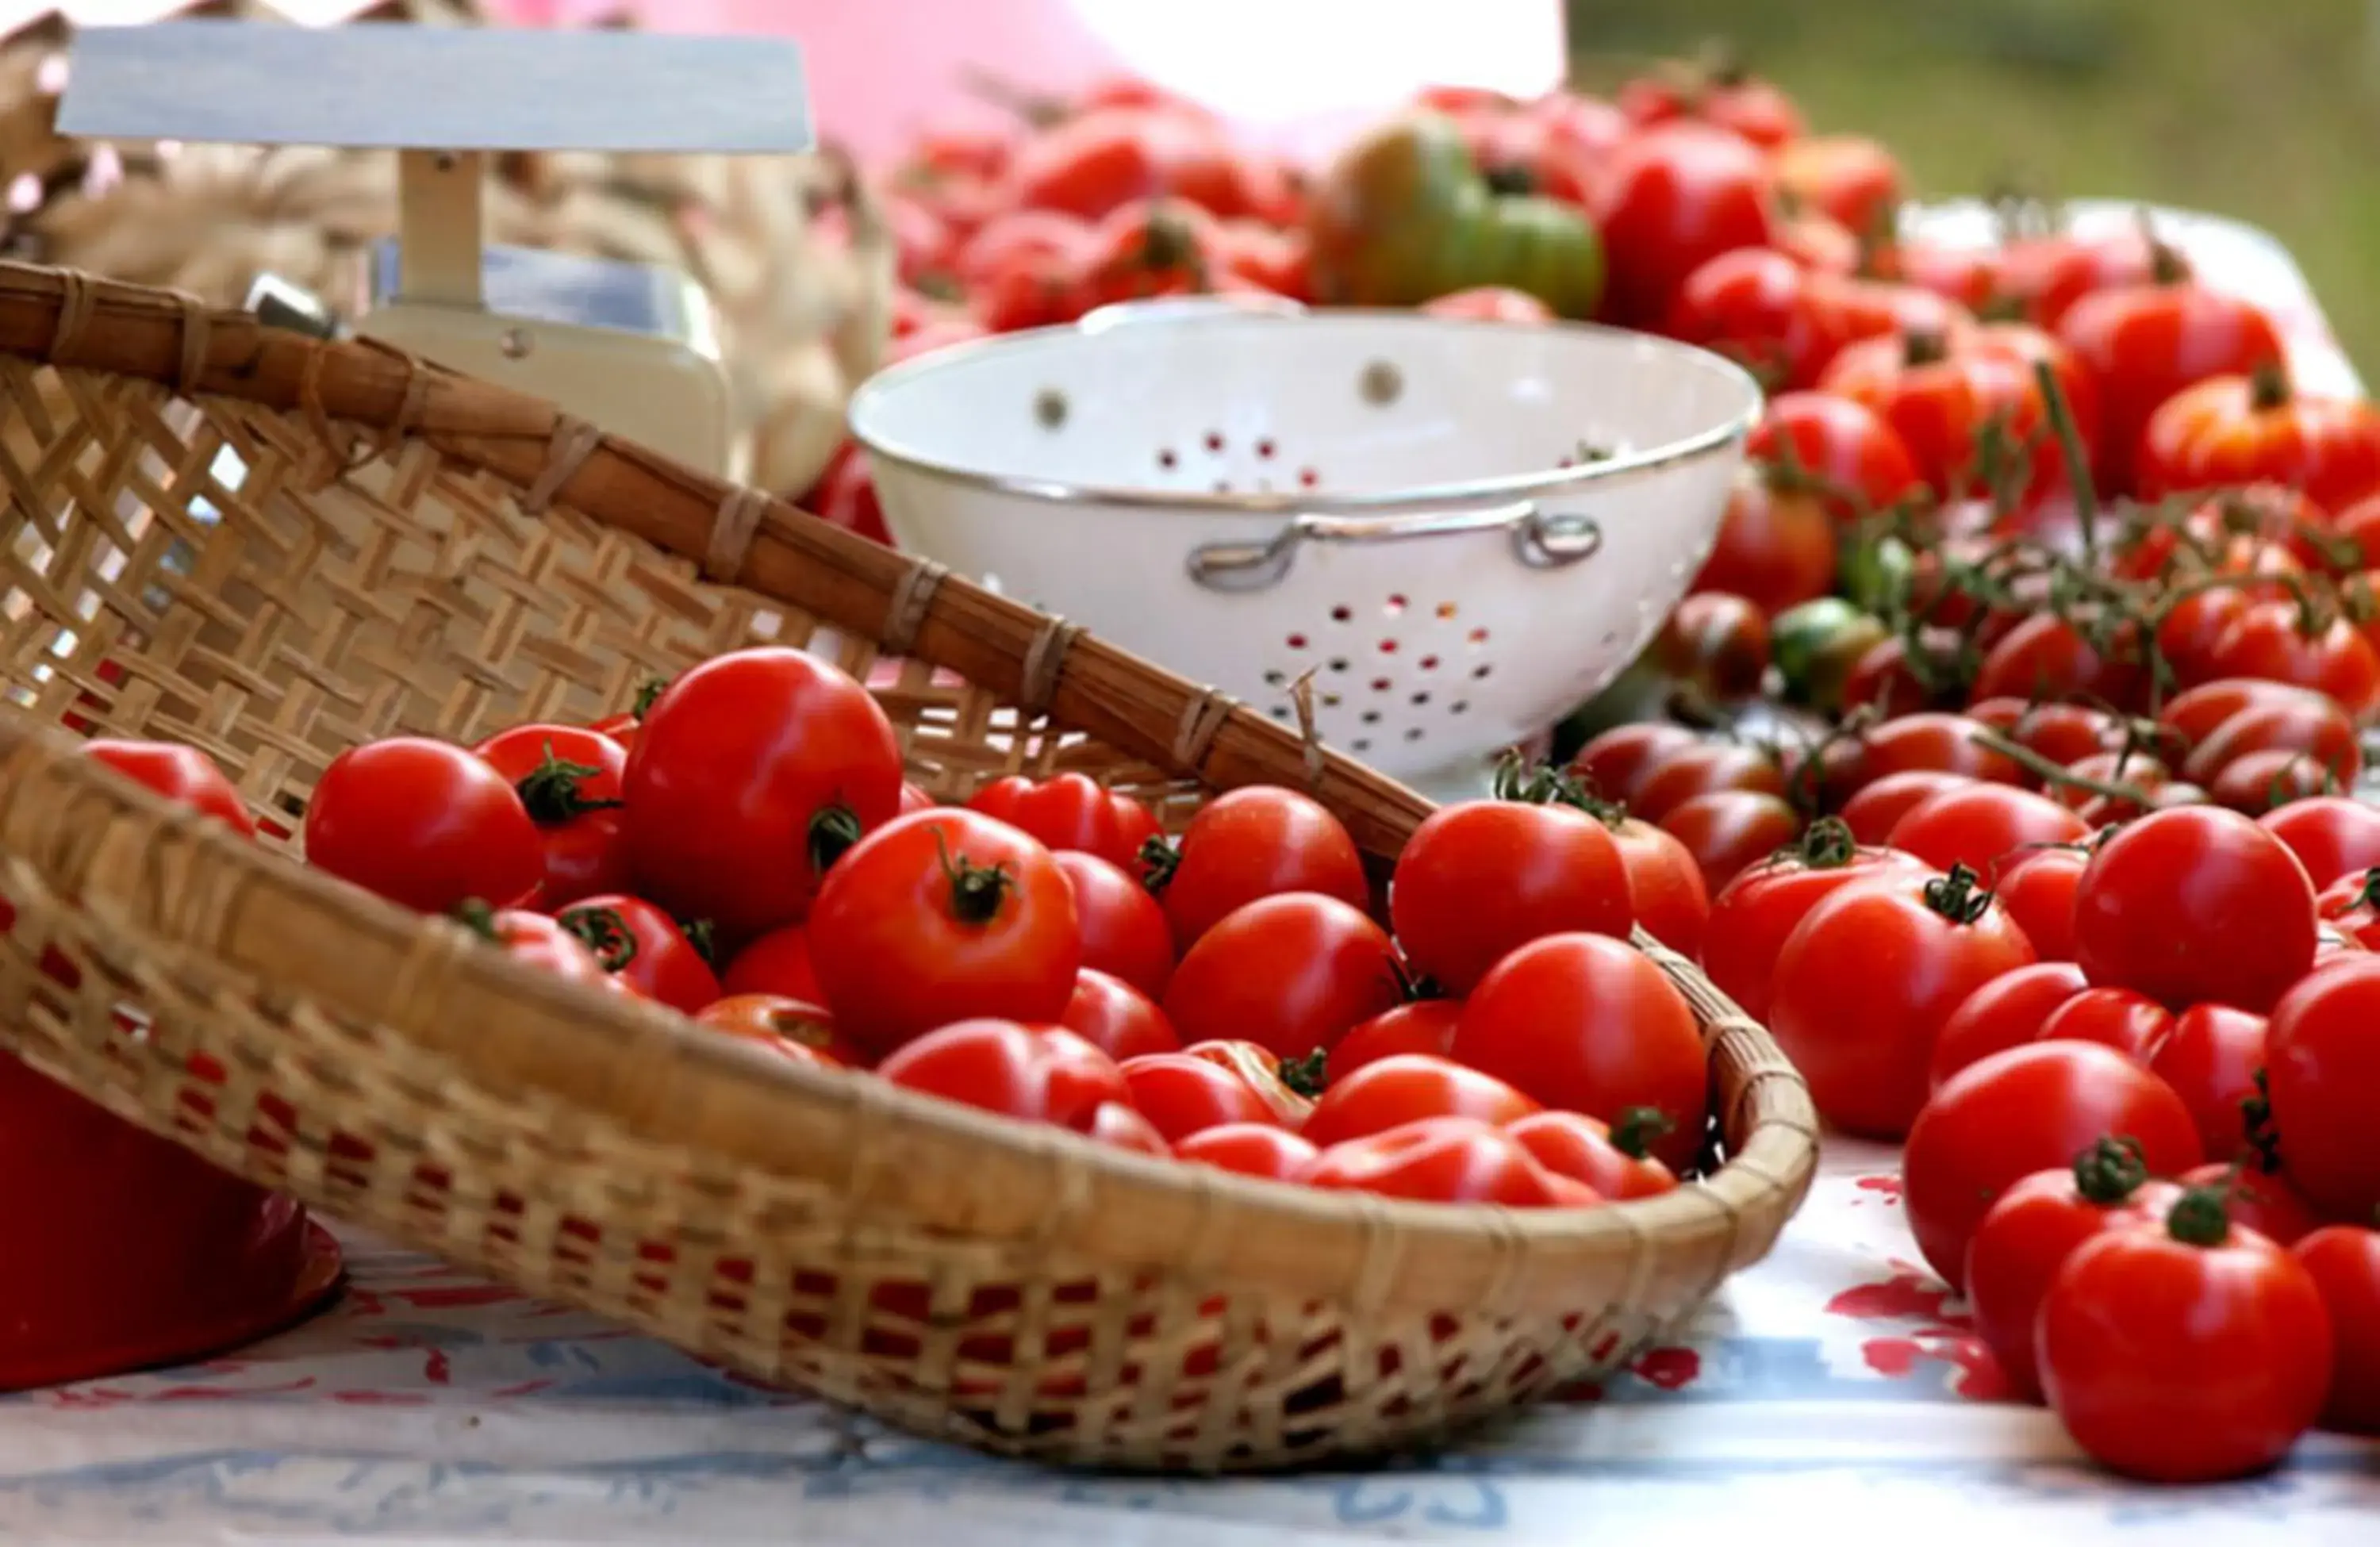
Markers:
<point>630,348</point>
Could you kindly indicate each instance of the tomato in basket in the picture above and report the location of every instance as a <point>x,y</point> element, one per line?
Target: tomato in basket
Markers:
<point>1116,1018</point>
<point>1181,1095</point>
<point>800,1031</point>
<point>568,781</point>
<point>2345,1263</point>
<point>1480,878</point>
<point>1446,1159</point>
<point>423,824</point>
<point>1614,1159</point>
<point>645,948</point>
<point>1251,1150</point>
<point>538,939</point>
<point>1291,972</point>
<point>1071,813</point>
<point>1123,930</point>
<point>1044,1074</point>
<point>778,963</point>
<point>1248,844</point>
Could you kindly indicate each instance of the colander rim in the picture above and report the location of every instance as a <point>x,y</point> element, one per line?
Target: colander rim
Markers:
<point>1416,500</point>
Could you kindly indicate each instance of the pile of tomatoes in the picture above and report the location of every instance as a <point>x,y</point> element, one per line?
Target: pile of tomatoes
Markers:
<point>745,851</point>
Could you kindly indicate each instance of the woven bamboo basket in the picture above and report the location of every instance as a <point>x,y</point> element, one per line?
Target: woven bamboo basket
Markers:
<point>406,551</point>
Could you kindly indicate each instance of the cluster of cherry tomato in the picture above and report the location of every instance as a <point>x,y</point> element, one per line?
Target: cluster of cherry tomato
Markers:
<point>745,849</point>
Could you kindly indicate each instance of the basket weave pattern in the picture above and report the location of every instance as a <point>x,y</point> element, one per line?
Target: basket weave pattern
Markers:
<point>399,550</point>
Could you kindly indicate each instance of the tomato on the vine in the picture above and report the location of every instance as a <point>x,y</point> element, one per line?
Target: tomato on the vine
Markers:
<point>1702,769</point>
<point>1727,831</point>
<point>2143,343</point>
<point>1615,1160</point>
<point>1389,1092</point>
<point>1943,742</point>
<point>2046,656</point>
<point>1851,176</point>
<point>2035,1226</point>
<point>1753,305</point>
<point>2038,892</point>
<point>1445,1160</point>
<point>2137,1318</point>
<point>568,781</point>
<point>1752,915</point>
<point>2258,428</point>
<point>1293,973</point>
<point>1116,1018</point>
<point>1944,402</point>
<point>1070,813</point>
<point>1985,827</point>
<point>1587,1023</point>
<point>1847,455</point>
<point>939,916</point>
<point>1479,878</point>
<point>2288,719</point>
<point>2133,1024</point>
<point>2333,835</point>
<point>2260,1201</point>
<point>1251,843</point>
<point>1616,764</point>
<point>1665,884</point>
<point>645,948</point>
<point>2322,1065</point>
<point>2046,276</point>
<point>2287,642</point>
<point>752,773</point>
<point>2008,1011</point>
<point>1865,980</point>
<point>1039,1073</point>
<point>2025,1110</point>
<point>2212,1058</point>
<point>1123,930</point>
<point>1875,808</point>
<point>1669,199</point>
<point>1775,545</point>
<point>422,824</point>
<point>2195,903</point>
<point>2344,1260</point>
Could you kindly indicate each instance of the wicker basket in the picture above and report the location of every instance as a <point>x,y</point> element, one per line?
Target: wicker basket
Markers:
<point>412,551</point>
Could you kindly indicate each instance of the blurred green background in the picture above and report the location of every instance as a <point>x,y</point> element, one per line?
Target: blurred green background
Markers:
<point>2266,110</point>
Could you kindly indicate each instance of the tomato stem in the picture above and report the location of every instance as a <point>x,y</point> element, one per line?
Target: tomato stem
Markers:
<point>550,792</point>
<point>703,935</point>
<point>976,891</point>
<point>603,932</point>
<point>2111,1171</point>
<point>474,914</point>
<point>1956,896</point>
<point>1923,348</point>
<point>2268,387</point>
<point>2041,767</point>
<point>834,830</point>
<point>2256,1119</point>
<point>2060,414</point>
<point>1638,1129</point>
<point>1160,857</point>
<point>2201,1216</point>
<point>2166,266</point>
<point>652,688</point>
<point>1307,1076</point>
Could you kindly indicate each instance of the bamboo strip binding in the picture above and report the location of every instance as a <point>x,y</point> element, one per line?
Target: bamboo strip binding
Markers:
<point>1012,1287</point>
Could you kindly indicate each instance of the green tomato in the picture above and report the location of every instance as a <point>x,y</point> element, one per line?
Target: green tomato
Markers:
<point>1815,645</point>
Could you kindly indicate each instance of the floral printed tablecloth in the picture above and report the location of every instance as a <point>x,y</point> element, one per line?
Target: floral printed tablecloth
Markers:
<point>1833,1389</point>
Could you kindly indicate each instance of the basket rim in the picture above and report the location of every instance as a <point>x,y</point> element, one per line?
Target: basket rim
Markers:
<point>1413,501</point>
<point>100,838</point>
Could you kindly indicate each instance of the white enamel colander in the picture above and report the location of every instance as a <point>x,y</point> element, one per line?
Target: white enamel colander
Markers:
<point>1462,529</point>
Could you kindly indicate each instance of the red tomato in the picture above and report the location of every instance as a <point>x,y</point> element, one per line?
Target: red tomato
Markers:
<point>1721,95</point>
<point>752,773</point>
<point>536,938</point>
<point>1702,769</point>
<point>1616,1163</point>
<point>1253,843</point>
<point>1865,980</point>
<point>1852,308</point>
<point>2038,892</point>
<point>1665,884</point>
<point>800,1031</point>
<point>2143,343</point>
<point>2258,1202</point>
<point>1479,880</point>
<point>939,916</point>
<point>1287,1086</point>
<point>2282,642</point>
<point>1776,547</point>
<point>1850,177</point>
<point>1971,275</point>
<point>1040,1073</point>
<point>1752,305</point>
<point>1069,812</point>
<point>1181,1095</point>
<point>777,963</point>
<point>1752,915</point>
<point>422,824</point>
<point>1250,1149</point>
<point>1101,160</point>
<point>2026,1110</point>
<point>568,781</point>
<point>2212,1059</point>
<point>2344,1261</point>
<point>1119,1125</point>
<point>2046,276</point>
<point>1404,1088</point>
<point>1616,762</point>
<point>2132,1024</point>
<point>2195,903</point>
<point>1588,1023</point>
<point>2323,1062</point>
<point>845,495</point>
<point>1292,973</point>
<point>1854,460</point>
<point>1445,1160</point>
<point>2197,714</point>
<point>2045,656</point>
<point>1877,808</point>
<point>643,947</point>
<point>1729,830</point>
<point>1939,399</point>
<point>2009,1011</point>
<point>2098,802</point>
<point>1490,303</point>
<point>1124,932</point>
<point>1982,826</point>
<point>2351,907</point>
<point>1423,1025</point>
<point>1116,1018</point>
<point>182,774</point>
<point>1945,743</point>
<point>2256,428</point>
<point>2333,835</point>
<point>2136,1318</point>
<point>1021,235</point>
<point>1144,249</point>
<point>2035,1225</point>
<point>1714,644</point>
<point>2293,719</point>
<point>1671,200</point>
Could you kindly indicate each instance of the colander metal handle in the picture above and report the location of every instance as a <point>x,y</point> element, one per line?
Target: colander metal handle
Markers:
<point>1540,540</point>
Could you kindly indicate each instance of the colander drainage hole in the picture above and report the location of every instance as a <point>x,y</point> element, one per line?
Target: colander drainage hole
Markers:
<point>1338,662</point>
<point>1214,440</point>
<point>1476,638</point>
<point>1280,711</point>
<point>1222,486</point>
<point>1481,670</point>
<point>1370,716</point>
<point>1429,663</point>
<point>1412,733</point>
<point>1341,613</point>
<point>1265,449</point>
<point>1611,638</point>
<point>1361,743</point>
<point>1420,699</point>
<point>1381,685</point>
<point>1394,605</point>
<point>1457,707</point>
<point>1308,478</point>
<point>1388,647</point>
<point>1275,677</point>
<point>1445,612</point>
<point>1166,460</point>
<point>1296,642</point>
